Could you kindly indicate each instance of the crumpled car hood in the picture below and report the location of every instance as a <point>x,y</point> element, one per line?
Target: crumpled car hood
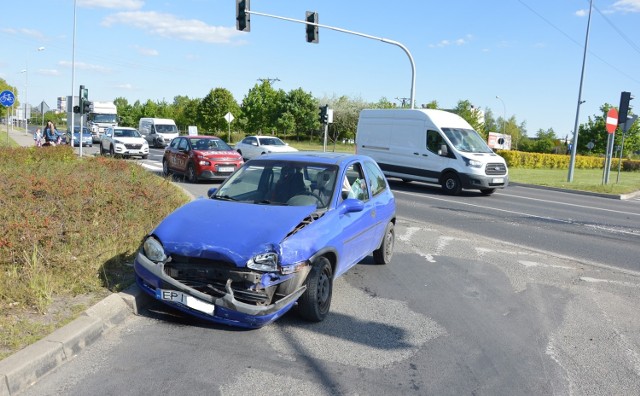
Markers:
<point>229,231</point>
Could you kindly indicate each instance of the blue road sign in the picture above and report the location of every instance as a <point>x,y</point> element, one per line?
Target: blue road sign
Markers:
<point>7,98</point>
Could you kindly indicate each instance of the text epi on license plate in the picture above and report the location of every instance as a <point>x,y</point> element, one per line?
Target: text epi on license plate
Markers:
<point>185,299</point>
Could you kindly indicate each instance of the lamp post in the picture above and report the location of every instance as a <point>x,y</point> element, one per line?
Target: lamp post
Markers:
<point>504,116</point>
<point>26,93</point>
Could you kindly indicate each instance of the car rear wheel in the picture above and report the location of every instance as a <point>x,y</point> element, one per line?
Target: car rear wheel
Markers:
<point>112,152</point>
<point>314,304</point>
<point>451,184</point>
<point>191,174</point>
<point>383,254</point>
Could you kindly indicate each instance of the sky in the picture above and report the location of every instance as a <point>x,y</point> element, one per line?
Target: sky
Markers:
<point>521,58</point>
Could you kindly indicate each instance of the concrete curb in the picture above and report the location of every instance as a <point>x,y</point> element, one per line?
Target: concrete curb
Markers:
<point>22,369</point>
<point>594,194</point>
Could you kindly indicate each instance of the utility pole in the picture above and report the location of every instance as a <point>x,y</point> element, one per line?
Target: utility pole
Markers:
<point>403,101</point>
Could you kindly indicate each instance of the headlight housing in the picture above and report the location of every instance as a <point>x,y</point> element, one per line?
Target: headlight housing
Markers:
<point>267,262</point>
<point>152,248</point>
<point>472,163</point>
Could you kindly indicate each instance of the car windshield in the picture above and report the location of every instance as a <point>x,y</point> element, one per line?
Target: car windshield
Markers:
<point>209,144</point>
<point>271,141</point>
<point>277,182</point>
<point>466,140</point>
<point>166,129</point>
<point>105,118</point>
<point>125,133</point>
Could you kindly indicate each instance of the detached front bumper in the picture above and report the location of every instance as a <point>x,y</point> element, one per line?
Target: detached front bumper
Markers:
<point>227,310</point>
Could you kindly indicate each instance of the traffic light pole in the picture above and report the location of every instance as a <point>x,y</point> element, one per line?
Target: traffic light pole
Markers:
<point>384,40</point>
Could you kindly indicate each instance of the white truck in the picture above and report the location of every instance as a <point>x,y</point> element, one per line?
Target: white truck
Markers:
<point>431,146</point>
<point>103,115</point>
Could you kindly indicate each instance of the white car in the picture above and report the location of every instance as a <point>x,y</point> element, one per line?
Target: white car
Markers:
<point>124,142</point>
<point>253,146</point>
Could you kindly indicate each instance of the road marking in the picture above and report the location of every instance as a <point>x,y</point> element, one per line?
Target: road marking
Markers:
<point>571,222</point>
<point>597,280</point>
<point>570,204</point>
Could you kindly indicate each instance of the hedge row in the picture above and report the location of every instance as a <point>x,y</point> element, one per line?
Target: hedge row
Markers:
<point>520,159</point>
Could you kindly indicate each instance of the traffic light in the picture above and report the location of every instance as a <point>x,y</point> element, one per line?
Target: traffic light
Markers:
<point>243,21</point>
<point>86,107</point>
<point>324,114</point>
<point>623,110</point>
<point>312,30</point>
<point>84,97</point>
<point>76,109</point>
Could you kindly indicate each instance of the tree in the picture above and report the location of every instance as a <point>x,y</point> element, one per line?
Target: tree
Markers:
<point>546,141</point>
<point>125,113</point>
<point>186,111</point>
<point>261,107</point>
<point>300,114</point>
<point>384,103</point>
<point>472,115</point>
<point>214,107</point>
<point>431,105</point>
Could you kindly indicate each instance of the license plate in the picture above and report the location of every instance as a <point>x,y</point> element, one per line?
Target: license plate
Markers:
<point>185,299</point>
<point>226,169</point>
<point>498,180</point>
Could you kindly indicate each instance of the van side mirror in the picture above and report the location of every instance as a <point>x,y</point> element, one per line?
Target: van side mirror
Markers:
<point>444,151</point>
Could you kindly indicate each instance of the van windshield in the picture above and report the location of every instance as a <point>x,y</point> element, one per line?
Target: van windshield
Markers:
<point>466,140</point>
<point>166,128</point>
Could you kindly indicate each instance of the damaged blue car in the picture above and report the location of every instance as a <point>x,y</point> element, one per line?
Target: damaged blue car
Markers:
<point>272,237</point>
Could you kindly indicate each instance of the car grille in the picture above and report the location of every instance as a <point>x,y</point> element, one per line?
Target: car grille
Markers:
<point>210,277</point>
<point>133,146</point>
<point>496,168</point>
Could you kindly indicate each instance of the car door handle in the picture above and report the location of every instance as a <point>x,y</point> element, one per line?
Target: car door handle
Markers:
<point>416,153</point>
<point>425,155</point>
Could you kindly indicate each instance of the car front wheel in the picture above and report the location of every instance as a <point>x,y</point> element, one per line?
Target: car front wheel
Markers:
<point>383,254</point>
<point>191,174</point>
<point>165,167</point>
<point>314,304</point>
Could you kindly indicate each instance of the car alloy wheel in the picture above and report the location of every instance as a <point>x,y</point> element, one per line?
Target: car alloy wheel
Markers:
<point>191,174</point>
<point>165,167</point>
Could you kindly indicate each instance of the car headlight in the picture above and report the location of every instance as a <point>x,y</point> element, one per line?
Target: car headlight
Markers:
<point>152,248</point>
<point>472,163</point>
<point>264,262</point>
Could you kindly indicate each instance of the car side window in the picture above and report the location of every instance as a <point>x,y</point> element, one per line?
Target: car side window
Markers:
<point>354,184</point>
<point>182,144</point>
<point>377,180</point>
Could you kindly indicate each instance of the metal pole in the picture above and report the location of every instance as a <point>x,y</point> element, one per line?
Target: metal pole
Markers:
<point>624,132</point>
<point>73,70</point>
<point>384,40</point>
<point>575,128</point>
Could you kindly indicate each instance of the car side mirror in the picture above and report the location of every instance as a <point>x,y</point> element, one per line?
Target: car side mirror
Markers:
<point>351,205</point>
<point>211,191</point>
<point>444,150</point>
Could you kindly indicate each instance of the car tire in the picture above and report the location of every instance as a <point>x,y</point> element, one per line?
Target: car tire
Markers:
<point>487,191</point>
<point>145,156</point>
<point>451,184</point>
<point>383,254</point>
<point>112,152</point>
<point>315,302</point>
<point>165,168</point>
<point>191,173</point>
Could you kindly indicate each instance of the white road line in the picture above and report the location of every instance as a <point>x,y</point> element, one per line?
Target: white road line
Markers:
<point>569,204</point>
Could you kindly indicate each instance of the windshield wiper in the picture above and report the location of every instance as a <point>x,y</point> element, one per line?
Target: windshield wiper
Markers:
<point>224,198</point>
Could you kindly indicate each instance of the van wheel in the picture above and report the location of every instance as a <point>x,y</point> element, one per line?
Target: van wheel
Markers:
<point>383,254</point>
<point>451,184</point>
<point>112,152</point>
<point>487,191</point>
<point>314,303</point>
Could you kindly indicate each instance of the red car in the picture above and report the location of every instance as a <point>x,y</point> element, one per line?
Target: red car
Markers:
<point>200,158</point>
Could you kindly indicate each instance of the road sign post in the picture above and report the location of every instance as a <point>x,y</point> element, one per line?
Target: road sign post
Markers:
<point>611,124</point>
<point>229,118</point>
<point>6,99</point>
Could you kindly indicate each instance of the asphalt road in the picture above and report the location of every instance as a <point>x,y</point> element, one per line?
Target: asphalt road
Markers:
<point>485,295</point>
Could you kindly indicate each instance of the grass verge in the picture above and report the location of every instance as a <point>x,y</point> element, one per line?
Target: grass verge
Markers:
<point>71,227</point>
<point>583,179</point>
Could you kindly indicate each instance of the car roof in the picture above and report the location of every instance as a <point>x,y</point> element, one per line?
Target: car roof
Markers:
<point>315,156</point>
<point>119,127</point>
<point>202,137</point>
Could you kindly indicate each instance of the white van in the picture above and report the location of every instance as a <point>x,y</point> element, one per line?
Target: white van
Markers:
<point>432,146</point>
<point>158,131</point>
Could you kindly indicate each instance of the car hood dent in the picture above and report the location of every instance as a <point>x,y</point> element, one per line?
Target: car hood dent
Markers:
<point>230,231</point>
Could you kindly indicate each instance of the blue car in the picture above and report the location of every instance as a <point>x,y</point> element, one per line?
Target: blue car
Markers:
<point>274,235</point>
<point>87,140</point>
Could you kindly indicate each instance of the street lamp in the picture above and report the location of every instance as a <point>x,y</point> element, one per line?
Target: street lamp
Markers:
<point>504,117</point>
<point>26,93</point>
